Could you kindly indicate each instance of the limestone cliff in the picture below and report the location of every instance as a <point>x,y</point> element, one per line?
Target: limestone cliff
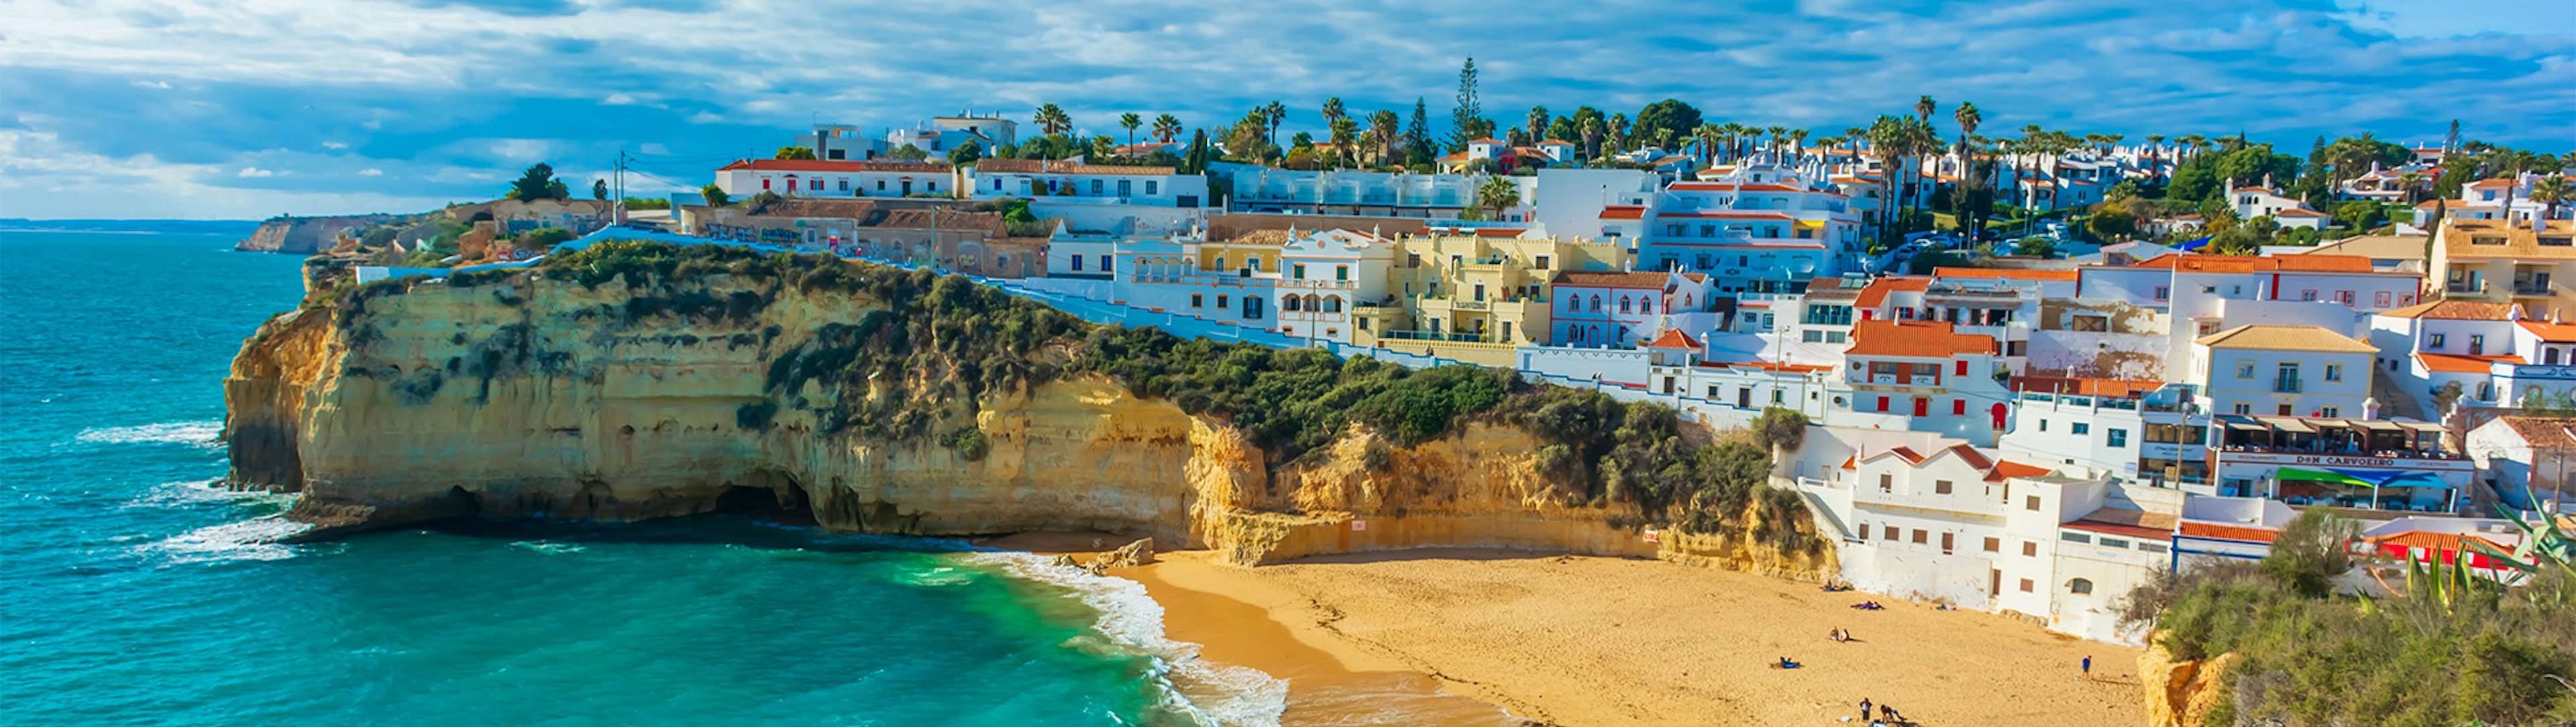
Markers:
<point>2181,693</point>
<point>304,235</point>
<point>530,395</point>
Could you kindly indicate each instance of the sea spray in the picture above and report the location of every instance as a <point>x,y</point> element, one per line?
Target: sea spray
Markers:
<point>198,433</point>
<point>1216,694</point>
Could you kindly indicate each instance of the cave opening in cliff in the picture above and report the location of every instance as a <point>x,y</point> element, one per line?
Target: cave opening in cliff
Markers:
<point>768,496</point>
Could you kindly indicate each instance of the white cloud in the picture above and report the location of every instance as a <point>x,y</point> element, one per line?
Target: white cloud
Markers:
<point>255,172</point>
<point>371,172</point>
<point>43,179</point>
<point>334,146</point>
<point>163,85</point>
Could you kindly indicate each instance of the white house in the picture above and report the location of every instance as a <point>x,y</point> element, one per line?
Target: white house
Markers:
<point>825,178</point>
<point>2301,371</point>
<point>1102,183</point>
<point>2527,461</point>
<point>1921,376</point>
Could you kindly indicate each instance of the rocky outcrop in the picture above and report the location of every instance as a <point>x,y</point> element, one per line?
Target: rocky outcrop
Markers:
<point>304,235</point>
<point>1130,555</point>
<point>2181,693</point>
<point>524,396</point>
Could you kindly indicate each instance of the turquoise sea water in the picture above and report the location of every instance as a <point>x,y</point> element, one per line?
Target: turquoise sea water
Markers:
<point>134,591</point>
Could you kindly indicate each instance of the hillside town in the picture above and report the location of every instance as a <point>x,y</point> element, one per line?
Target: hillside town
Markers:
<point>2035,371</point>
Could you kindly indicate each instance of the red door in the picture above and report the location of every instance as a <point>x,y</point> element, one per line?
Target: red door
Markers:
<point>1999,415</point>
<point>1922,407</point>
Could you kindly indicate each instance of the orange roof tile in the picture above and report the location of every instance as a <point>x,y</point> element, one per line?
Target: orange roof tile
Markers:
<point>1876,293</point>
<point>2454,310</point>
<point>2551,332</point>
<point>2431,540</point>
<point>1764,365</point>
<point>2226,532</point>
<point>2193,262</point>
<point>1586,279</point>
<point>2116,388</point>
<point>1674,338</point>
<point>2458,364</point>
<point>2009,469</point>
<point>819,165</point>
<point>1623,212</point>
<point>1914,339</point>
<point>2003,273</point>
<point>1970,454</point>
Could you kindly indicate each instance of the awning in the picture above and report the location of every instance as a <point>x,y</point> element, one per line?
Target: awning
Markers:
<point>2421,426</point>
<point>2361,477</point>
<point>2379,425</point>
<point>2324,424</point>
<point>2287,424</point>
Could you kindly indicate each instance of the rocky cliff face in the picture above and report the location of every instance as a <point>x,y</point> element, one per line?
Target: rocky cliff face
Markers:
<point>532,397</point>
<point>2181,693</point>
<point>304,235</point>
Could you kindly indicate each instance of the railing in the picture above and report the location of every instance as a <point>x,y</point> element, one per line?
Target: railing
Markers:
<point>2400,453</point>
<point>2522,288</point>
<point>2460,287</point>
<point>1435,336</point>
<point>2286,386</point>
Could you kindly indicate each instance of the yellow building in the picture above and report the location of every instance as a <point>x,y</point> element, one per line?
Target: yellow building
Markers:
<point>2508,262</point>
<point>1473,296</point>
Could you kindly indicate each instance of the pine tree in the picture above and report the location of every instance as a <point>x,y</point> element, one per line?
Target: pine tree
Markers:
<point>1464,119</point>
<point>1417,136</point>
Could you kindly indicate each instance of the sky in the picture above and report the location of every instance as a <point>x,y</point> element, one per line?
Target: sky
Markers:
<point>184,109</point>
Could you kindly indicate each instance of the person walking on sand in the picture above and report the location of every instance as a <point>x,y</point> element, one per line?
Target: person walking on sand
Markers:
<point>1864,709</point>
<point>2088,666</point>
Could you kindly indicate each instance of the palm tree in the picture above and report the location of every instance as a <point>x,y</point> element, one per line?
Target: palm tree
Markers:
<point>1131,121</point>
<point>2409,182</point>
<point>1923,108</point>
<point>1166,128</point>
<point>1708,134</point>
<point>1345,131</point>
<point>2551,190</point>
<point>1276,113</point>
<point>2155,157</point>
<point>1797,142</point>
<point>1052,119</point>
<point>1968,118</point>
<point>1386,126</point>
<point>1332,111</point>
<point>1619,132</point>
<point>1538,124</point>
<point>1592,137</point>
<point>1886,139</point>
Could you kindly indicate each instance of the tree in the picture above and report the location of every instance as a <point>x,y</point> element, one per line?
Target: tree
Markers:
<point>1273,115</point>
<point>2111,222</point>
<point>1417,136</point>
<point>1495,195</point>
<point>1538,124</point>
<point>537,183</point>
<point>1052,120</point>
<point>1345,137</point>
<point>599,189</point>
<point>1333,111</point>
<point>965,154</point>
<point>1196,161</point>
<point>1103,147</point>
<point>1667,115</point>
<point>909,152</point>
<point>2553,191</point>
<point>1970,180</point>
<point>1166,128</point>
<point>1923,109</point>
<point>795,152</point>
<point>1780,430</point>
<point>2310,551</point>
<point>715,195</point>
<point>1387,128</point>
<point>1462,120</point>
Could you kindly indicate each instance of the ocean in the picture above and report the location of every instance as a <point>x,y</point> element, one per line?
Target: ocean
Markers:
<point>135,590</point>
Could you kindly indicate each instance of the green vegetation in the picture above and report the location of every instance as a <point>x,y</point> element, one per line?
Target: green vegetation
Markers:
<point>795,152</point>
<point>537,183</point>
<point>640,203</point>
<point>943,347</point>
<point>715,195</point>
<point>2451,648</point>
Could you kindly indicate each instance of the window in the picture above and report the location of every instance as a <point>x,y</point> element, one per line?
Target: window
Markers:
<point>2284,410</point>
<point>1922,537</point>
<point>1105,264</point>
<point>1947,542</point>
<point>1994,545</point>
<point>1153,187</point>
<point>1342,272</point>
<point>1077,263</point>
<point>2164,293</point>
<point>1776,398</point>
<point>1297,271</point>
<point>2080,587</point>
<point>1220,301</point>
<point>2030,550</point>
<point>1887,483</point>
<point>2334,372</point>
<point>1097,187</point>
<point>2076,538</point>
<point>1596,302</point>
<point>1539,262</point>
<point>1940,487</point>
<point>1645,305</point>
<point>2477,345</point>
<point>2025,585</point>
<point>2118,437</point>
<point>2245,369</point>
<point>1958,407</point>
<point>1413,259</point>
<point>2153,547</point>
<point>2330,411</point>
<point>2307,295</point>
<point>2043,425</point>
<point>844,185</point>
<point>1887,532</point>
<point>1197,299</point>
<point>2244,408</point>
<point>2380,299</point>
<point>2030,503</point>
<point>1712,391</point>
<point>1882,403</point>
<point>2111,542</point>
<point>2079,428</point>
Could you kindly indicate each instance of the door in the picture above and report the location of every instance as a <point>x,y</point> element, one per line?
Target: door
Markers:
<point>1922,407</point>
<point>1945,542</point>
<point>1252,307</point>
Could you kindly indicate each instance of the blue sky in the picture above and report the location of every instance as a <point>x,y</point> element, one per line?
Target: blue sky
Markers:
<point>186,109</point>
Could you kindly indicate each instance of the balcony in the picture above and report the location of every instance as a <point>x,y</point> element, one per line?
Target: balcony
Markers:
<point>2465,287</point>
<point>1436,336</point>
<point>2286,386</point>
<point>2531,288</point>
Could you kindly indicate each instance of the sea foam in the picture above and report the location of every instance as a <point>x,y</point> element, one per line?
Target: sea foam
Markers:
<point>259,538</point>
<point>1217,694</point>
<point>201,434</point>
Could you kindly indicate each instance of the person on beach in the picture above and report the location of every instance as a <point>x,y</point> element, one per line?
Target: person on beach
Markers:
<point>1864,709</point>
<point>2088,666</point>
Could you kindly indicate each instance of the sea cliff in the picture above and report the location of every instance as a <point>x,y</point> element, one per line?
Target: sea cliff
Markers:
<point>658,382</point>
<point>305,235</point>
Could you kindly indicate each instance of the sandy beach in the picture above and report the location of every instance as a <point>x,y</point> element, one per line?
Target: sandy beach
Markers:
<point>1567,640</point>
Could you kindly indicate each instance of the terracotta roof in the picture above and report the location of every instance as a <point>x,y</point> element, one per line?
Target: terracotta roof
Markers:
<point>1623,212</point>
<point>1052,166</point>
<point>2191,262</point>
<point>1584,279</point>
<point>2216,531</point>
<point>2115,388</point>
<point>2088,524</point>
<point>2454,310</point>
<point>2300,212</point>
<point>854,209</point>
<point>2004,273</point>
<point>1876,293</point>
<point>2543,432</point>
<point>1486,140</point>
<point>2431,540</point>
<point>2163,523</point>
<point>2458,364</point>
<point>1555,142</point>
<point>1916,339</point>
<point>1674,338</point>
<point>2551,332</point>
<point>1971,455</point>
<point>2009,469</point>
<point>818,165</point>
<point>2285,338</point>
<point>1764,365</point>
<point>2459,239</point>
